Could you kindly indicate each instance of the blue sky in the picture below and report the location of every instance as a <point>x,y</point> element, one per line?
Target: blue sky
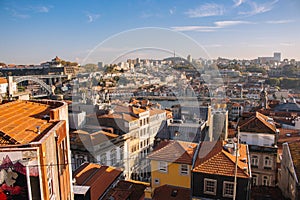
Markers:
<point>35,31</point>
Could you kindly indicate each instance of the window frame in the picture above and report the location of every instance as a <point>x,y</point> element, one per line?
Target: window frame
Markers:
<point>254,164</point>
<point>163,166</point>
<point>268,179</point>
<point>113,157</point>
<point>226,183</point>
<point>184,172</point>
<point>267,162</point>
<point>254,177</point>
<point>205,191</point>
<point>103,159</point>
<point>156,181</point>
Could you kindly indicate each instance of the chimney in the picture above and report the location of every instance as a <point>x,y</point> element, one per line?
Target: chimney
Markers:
<point>38,129</point>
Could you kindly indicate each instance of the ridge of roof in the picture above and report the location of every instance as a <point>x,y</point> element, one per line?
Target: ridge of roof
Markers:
<point>174,151</point>
<point>219,161</point>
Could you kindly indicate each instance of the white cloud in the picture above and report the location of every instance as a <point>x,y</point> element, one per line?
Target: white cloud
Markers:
<point>172,10</point>
<point>26,12</point>
<point>212,45</point>
<point>43,9</point>
<point>217,25</point>
<point>92,17</point>
<point>259,8</point>
<point>195,28</point>
<point>150,14</point>
<point>206,10</point>
<point>16,14</point>
<point>280,21</point>
<point>39,9</point>
<point>222,24</point>
<point>237,3</point>
<point>287,44</point>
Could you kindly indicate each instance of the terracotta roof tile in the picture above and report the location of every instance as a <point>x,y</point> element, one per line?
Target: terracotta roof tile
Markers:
<point>174,151</point>
<point>214,159</point>
<point>98,177</point>
<point>127,190</point>
<point>19,120</point>
<point>258,124</point>
<point>3,80</point>
<point>171,192</point>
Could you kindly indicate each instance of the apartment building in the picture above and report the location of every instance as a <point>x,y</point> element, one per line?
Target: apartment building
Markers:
<point>35,150</point>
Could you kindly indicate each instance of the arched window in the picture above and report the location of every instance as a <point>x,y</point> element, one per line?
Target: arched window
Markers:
<point>267,162</point>
<point>266,181</point>
<point>254,180</point>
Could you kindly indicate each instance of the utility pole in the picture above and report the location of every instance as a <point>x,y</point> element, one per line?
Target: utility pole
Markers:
<point>236,163</point>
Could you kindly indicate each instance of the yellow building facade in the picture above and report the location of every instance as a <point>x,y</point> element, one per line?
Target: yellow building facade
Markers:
<point>176,174</point>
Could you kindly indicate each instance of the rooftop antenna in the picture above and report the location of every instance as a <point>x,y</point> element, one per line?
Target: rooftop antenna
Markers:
<point>236,165</point>
<point>38,129</point>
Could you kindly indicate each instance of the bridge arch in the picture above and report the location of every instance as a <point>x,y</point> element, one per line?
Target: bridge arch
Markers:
<point>34,79</point>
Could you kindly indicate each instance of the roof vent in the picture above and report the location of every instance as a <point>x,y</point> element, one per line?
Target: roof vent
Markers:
<point>174,193</point>
<point>38,129</point>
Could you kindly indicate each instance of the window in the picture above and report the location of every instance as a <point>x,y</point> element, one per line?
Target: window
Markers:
<point>254,160</point>
<point>184,169</point>
<point>267,162</point>
<point>121,153</point>
<point>210,186</point>
<point>113,157</point>
<point>163,166</point>
<point>80,160</point>
<point>103,159</point>
<point>156,181</point>
<point>228,188</point>
<point>254,180</point>
<point>266,181</point>
<point>50,180</point>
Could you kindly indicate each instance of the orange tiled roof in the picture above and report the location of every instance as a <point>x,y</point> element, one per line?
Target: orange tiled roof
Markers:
<point>80,137</point>
<point>3,80</point>
<point>174,151</point>
<point>258,124</point>
<point>214,159</point>
<point>19,121</point>
<point>155,111</point>
<point>123,116</point>
<point>98,177</point>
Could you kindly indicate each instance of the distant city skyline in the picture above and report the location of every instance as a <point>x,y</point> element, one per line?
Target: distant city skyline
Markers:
<point>36,31</point>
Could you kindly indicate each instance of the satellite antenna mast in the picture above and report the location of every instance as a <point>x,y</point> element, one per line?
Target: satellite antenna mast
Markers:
<point>236,165</point>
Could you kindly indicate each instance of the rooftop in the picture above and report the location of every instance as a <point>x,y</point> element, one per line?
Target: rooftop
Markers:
<point>258,124</point>
<point>98,177</point>
<point>295,153</point>
<point>213,158</point>
<point>171,192</point>
<point>288,107</point>
<point>3,80</point>
<point>22,122</point>
<point>174,151</point>
<point>127,190</point>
